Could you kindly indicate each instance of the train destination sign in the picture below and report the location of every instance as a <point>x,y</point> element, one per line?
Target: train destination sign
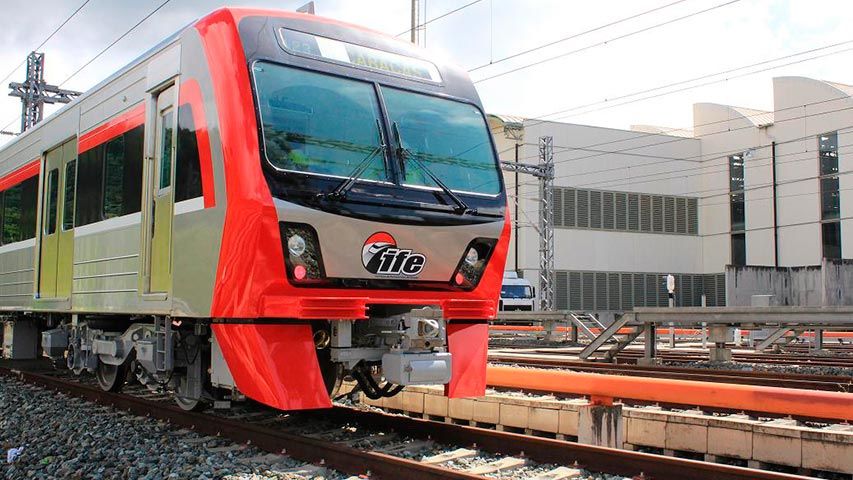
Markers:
<point>329,49</point>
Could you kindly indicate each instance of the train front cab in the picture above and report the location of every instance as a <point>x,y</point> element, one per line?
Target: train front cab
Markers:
<point>362,185</point>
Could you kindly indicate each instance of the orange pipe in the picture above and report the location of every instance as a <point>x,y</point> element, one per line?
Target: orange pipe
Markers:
<point>533,328</point>
<point>784,401</point>
<point>830,334</point>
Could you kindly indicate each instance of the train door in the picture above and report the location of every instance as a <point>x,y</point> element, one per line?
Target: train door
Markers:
<point>65,229</point>
<point>161,193</point>
<point>57,221</point>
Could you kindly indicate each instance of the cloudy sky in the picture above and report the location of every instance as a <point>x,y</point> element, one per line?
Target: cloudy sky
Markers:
<point>609,71</point>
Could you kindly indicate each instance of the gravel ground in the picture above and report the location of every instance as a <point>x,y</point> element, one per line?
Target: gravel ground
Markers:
<point>68,438</point>
<point>805,368</point>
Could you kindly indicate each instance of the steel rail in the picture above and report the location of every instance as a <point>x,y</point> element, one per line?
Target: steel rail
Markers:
<point>346,459</point>
<point>785,401</point>
<point>349,460</point>
<point>770,379</point>
<point>598,459</point>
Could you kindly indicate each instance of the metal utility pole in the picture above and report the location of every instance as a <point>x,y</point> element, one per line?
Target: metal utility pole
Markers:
<point>544,171</point>
<point>417,26</point>
<point>414,31</point>
<point>34,92</point>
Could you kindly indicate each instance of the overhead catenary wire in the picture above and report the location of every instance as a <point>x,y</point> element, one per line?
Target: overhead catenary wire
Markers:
<point>104,50</point>
<point>605,42</point>
<point>574,35</point>
<point>439,17</point>
<point>609,101</point>
<point>728,232</point>
<point>647,134</point>
<point>47,39</point>
<point>700,158</point>
<point>112,44</point>
<point>707,169</point>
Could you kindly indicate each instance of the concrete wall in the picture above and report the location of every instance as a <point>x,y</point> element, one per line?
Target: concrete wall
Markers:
<point>801,286</point>
<point>830,283</point>
<point>838,282</point>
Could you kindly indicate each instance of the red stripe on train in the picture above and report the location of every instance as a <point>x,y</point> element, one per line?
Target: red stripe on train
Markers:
<point>112,128</point>
<point>17,176</point>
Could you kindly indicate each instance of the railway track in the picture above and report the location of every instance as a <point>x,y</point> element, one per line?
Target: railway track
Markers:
<point>770,379</point>
<point>766,358</point>
<point>357,441</point>
<point>631,356</point>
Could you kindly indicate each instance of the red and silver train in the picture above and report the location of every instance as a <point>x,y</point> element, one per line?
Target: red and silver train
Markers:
<point>264,204</point>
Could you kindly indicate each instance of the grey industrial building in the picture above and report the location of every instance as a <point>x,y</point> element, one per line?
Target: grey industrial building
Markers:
<point>757,194</point>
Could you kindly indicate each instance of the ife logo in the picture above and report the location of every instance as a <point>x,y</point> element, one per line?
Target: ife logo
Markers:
<point>380,256</point>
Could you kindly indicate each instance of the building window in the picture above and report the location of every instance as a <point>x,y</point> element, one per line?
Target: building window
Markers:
<point>738,249</point>
<point>831,233</point>
<point>830,197</point>
<point>737,209</point>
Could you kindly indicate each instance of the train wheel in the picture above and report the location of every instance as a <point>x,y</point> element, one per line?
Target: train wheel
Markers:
<point>190,404</point>
<point>111,378</point>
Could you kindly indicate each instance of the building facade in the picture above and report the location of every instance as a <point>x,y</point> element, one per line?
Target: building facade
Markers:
<point>744,187</point>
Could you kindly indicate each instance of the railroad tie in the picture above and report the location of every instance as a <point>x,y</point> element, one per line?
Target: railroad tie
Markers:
<point>500,465</point>
<point>412,447</point>
<point>445,457</point>
<point>560,473</point>
<point>370,439</point>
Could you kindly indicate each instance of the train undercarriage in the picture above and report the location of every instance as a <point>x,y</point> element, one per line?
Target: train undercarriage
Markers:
<point>396,346</point>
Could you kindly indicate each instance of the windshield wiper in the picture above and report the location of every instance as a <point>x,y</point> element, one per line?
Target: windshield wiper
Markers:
<point>404,153</point>
<point>340,192</point>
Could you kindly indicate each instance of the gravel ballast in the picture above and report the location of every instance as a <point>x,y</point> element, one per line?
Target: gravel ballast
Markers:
<point>66,437</point>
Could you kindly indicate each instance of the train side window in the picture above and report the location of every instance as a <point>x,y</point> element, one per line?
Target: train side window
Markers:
<point>113,176</point>
<point>90,175</point>
<point>187,167</point>
<point>52,194</point>
<point>166,151</point>
<point>29,204</point>
<point>68,207</point>
<point>123,174</point>
<point>12,215</point>
<point>132,181</point>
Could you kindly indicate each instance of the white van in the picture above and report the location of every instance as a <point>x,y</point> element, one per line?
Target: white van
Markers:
<point>516,293</point>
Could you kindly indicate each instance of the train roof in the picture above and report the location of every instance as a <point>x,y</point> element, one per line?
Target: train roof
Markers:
<point>313,23</point>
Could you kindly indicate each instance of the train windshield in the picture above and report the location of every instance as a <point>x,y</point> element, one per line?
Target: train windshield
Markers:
<point>320,124</point>
<point>447,139</point>
<point>326,125</point>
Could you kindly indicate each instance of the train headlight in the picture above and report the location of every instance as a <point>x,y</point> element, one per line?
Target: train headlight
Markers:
<point>473,263</point>
<point>302,258</point>
<point>296,245</point>
<point>472,256</point>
